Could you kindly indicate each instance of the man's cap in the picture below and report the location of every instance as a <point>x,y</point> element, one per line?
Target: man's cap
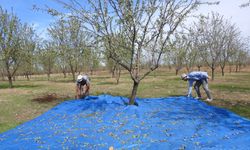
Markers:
<point>183,76</point>
<point>79,78</point>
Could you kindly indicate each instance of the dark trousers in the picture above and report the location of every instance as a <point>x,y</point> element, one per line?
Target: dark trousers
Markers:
<point>204,84</point>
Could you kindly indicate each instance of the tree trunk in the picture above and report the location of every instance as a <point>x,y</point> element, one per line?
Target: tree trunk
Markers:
<point>199,67</point>
<point>91,71</point>
<point>10,81</point>
<point>48,75</point>
<point>213,69</point>
<point>113,71</point>
<point>118,75</point>
<point>73,75</point>
<point>133,94</point>
<point>27,76</point>
<point>169,67</point>
<point>9,76</point>
<point>3,77</point>
<point>230,68</point>
<point>222,71</point>
<point>73,72</point>
<point>239,68</point>
<point>236,68</point>
<point>188,69</point>
<point>64,74</point>
<point>176,71</point>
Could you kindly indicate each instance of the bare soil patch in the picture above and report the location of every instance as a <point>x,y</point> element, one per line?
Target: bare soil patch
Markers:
<point>51,97</point>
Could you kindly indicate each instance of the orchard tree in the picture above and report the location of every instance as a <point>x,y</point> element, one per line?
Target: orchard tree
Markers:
<point>185,49</point>
<point>210,39</point>
<point>47,57</point>
<point>216,40</point>
<point>91,59</point>
<point>240,55</point>
<point>29,43</point>
<point>175,53</point>
<point>232,35</point>
<point>70,41</point>
<point>15,38</point>
<point>58,34</point>
<point>141,25</point>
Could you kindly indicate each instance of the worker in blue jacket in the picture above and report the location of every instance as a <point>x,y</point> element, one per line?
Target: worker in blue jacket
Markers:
<point>200,78</point>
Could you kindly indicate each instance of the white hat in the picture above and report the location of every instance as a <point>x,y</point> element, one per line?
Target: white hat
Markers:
<point>79,78</point>
<point>183,76</point>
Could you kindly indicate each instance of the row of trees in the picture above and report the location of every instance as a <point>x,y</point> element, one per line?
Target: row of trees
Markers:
<point>17,44</point>
<point>132,31</point>
<point>211,41</point>
<point>23,52</point>
<point>137,35</point>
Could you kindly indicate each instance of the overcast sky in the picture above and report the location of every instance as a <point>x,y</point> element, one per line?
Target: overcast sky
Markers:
<point>228,8</point>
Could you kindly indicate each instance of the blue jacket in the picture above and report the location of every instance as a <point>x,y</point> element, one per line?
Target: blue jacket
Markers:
<point>195,76</point>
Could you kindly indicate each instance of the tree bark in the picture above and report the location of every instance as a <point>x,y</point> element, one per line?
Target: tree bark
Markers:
<point>64,74</point>
<point>118,75</point>
<point>10,81</point>
<point>27,76</point>
<point>213,69</point>
<point>48,76</point>
<point>199,68</point>
<point>133,94</point>
<point>9,76</point>
<point>236,68</point>
<point>222,70</point>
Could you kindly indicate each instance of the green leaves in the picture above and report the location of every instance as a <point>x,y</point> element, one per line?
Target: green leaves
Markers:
<point>15,42</point>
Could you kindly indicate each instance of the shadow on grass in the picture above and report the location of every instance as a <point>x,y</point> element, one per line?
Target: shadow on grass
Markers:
<point>113,94</point>
<point>231,88</point>
<point>101,77</point>
<point>174,95</point>
<point>62,81</point>
<point>106,83</point>
<point>6,86</point>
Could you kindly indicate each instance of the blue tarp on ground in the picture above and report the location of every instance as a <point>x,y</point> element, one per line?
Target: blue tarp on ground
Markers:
<point>99,122</point>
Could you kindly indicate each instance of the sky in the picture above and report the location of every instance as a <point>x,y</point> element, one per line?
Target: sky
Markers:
<point>23,9</point>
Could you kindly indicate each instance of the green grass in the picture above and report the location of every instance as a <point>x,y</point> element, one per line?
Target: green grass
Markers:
<point>17,105</point>
<point>243,110</point>
<point>232,88</point>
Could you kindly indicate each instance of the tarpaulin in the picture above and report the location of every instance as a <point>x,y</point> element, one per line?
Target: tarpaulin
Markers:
<point>104,121</point>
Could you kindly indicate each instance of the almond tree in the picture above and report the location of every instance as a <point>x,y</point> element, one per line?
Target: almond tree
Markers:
<point>14,41</point>
<point>142,26</point>
<point>184,49</point>
<point>175,53</point>
<point>211,39</point>
<point>47,57</point>
<point>58,34</point>
<point>70,40</point>
<point>30,41</point>
<point>240,54</point>
<point>231,37</point>
<point>216,39</point>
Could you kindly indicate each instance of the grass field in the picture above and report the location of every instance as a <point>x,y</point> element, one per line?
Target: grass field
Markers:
<point>29,99</point>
